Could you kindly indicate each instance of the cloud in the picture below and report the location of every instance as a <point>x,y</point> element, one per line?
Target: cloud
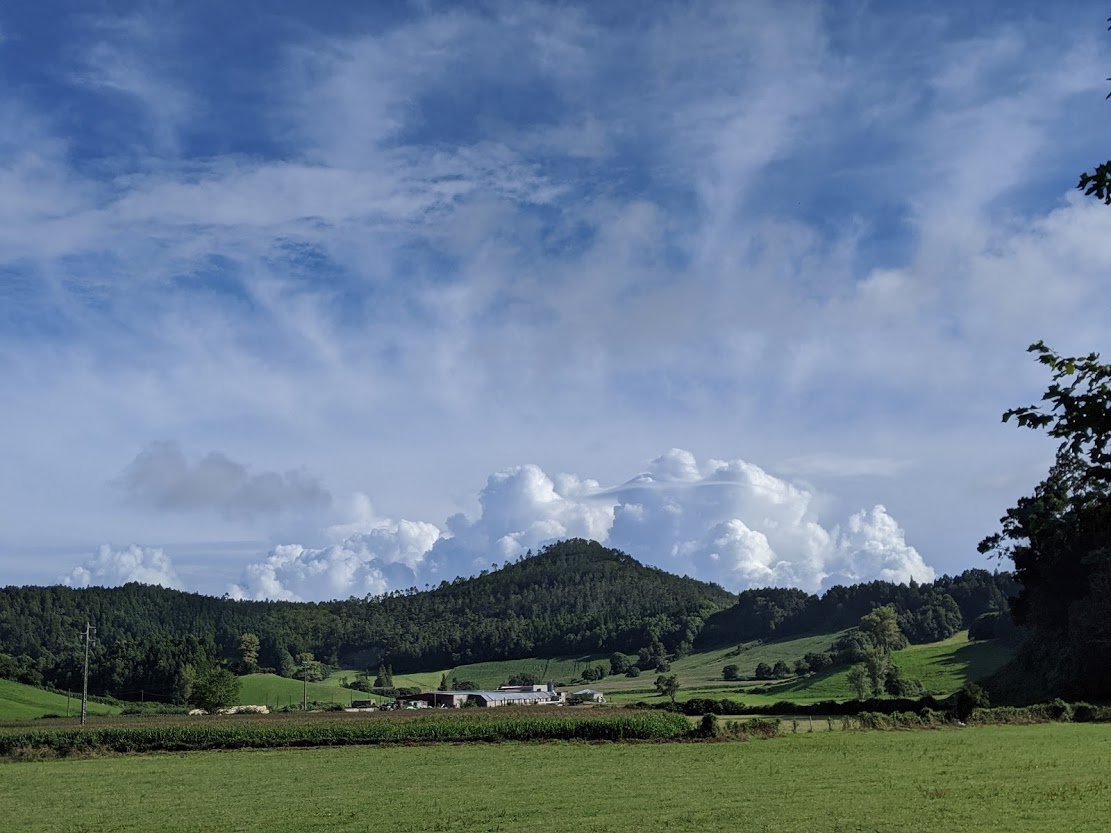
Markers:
<point>724,521</point>
<point>111,567</point>
<point>162,477</point>
<point>376,555</point>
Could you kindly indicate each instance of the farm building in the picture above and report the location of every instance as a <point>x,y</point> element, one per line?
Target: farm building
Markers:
<point>588,695</point>
<point>505,696</point>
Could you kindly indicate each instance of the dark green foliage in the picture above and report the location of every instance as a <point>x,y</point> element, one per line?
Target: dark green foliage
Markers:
<point>249,647</point>
<point>817,661</point>
<point>781,670</point>
<point>619,663</point>
<point>524,678</point>
<point>968,698</point>
<point>575,597</point>
<point>667,686</point>
<point>1097,183</point>
<point>709,727</point>
<point>632,671</point>
<point>1059,538</point>
<point>215,690</point>
<point>926,613</point>
<point>763,728</point>
<point>594,672</point>
<point>858,679</point>
<point>731,672</point>
<point>897,685</point>
<point>764,671</point>
<point>984,626</point>
<point>260,733</point>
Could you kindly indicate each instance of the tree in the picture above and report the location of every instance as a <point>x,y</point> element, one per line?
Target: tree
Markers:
<point>781,670</point>
<point>881,629</point>
<point>1098,183</point>
<point>731,672</point>
<point>249,646</point>
<point>858,679</point>
<point>619,663</point>
<point>668,686</point>
<point>443,682</point>
<point>217,689</point>
<point>1059,538</point>
<point>764,671</point>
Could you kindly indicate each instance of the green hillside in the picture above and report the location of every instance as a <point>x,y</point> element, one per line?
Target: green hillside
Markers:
<point>942,668</point>
<point>275,691</point>
<point>24,702</point>
<point>494,674</point>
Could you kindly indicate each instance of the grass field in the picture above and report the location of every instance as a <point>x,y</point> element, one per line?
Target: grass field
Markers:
<point>1014,778</point>
<point>941,667</point>
<point>24,702</point>
<point>275,691</point>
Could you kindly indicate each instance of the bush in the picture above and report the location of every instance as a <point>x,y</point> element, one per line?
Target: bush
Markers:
<point>764,672</point>
<point>731,672</point>
<point>632,671</point>
<point>755,728</point>
<point>709,727</point>
<point>983,627</point>
<point>215,690</point>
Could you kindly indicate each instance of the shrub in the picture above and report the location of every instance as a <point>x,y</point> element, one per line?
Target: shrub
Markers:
<point>755,728</point>
<point>709,727</point>
<point>731,672</point>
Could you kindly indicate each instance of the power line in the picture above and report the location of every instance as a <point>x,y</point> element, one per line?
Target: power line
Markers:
<point>87,638</point>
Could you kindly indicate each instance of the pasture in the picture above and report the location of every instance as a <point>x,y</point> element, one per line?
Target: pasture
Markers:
<point>1014,778</point>
<point>275,691</point>
<point>24,702</point>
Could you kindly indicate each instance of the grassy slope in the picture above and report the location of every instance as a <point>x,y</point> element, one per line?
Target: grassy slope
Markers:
<point>272,690</point>
<point>900,782</point>
<point>24,702</point>
<point>942,667</point>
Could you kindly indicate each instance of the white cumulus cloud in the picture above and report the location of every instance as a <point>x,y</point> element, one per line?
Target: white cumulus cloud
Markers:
<point>111,567</point>
<point>727,521</point>
<point>374,555</point>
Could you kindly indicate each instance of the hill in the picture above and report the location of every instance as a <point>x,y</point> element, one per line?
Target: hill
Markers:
<point>275,692</point>
<point>575,597</point>
<point>23,702</point>
<point>942,667</point>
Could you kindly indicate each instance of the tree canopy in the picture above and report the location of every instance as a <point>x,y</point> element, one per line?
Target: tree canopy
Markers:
<point>1059,538</point>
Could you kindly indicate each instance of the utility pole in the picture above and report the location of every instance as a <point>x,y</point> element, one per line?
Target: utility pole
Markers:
<point>305,668</point>
<point>87,637</point>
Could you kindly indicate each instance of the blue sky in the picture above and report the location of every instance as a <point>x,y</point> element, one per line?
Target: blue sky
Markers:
<point>306,300</point>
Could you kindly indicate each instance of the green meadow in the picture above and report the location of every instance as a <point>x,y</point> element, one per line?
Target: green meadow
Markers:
<point>275,691</point>
<point>24,702</point>
<point>941,667</point>
<point>1050,777</point>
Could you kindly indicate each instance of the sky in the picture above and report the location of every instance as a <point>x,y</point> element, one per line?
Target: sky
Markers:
<point>319,300</point>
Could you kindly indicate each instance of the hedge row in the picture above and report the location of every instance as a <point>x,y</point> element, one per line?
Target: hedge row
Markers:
<point>451,729</point>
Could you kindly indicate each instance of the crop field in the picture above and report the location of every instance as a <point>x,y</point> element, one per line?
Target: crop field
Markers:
<point>178,733</point>
<point>24,702</point>
<point>1013,778</point>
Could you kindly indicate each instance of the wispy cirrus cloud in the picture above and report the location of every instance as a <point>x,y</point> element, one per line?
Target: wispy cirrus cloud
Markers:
<point>414,247</point>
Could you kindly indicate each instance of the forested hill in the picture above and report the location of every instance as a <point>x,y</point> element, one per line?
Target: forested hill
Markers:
<point>926,612</point>
<point>573,597</point>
